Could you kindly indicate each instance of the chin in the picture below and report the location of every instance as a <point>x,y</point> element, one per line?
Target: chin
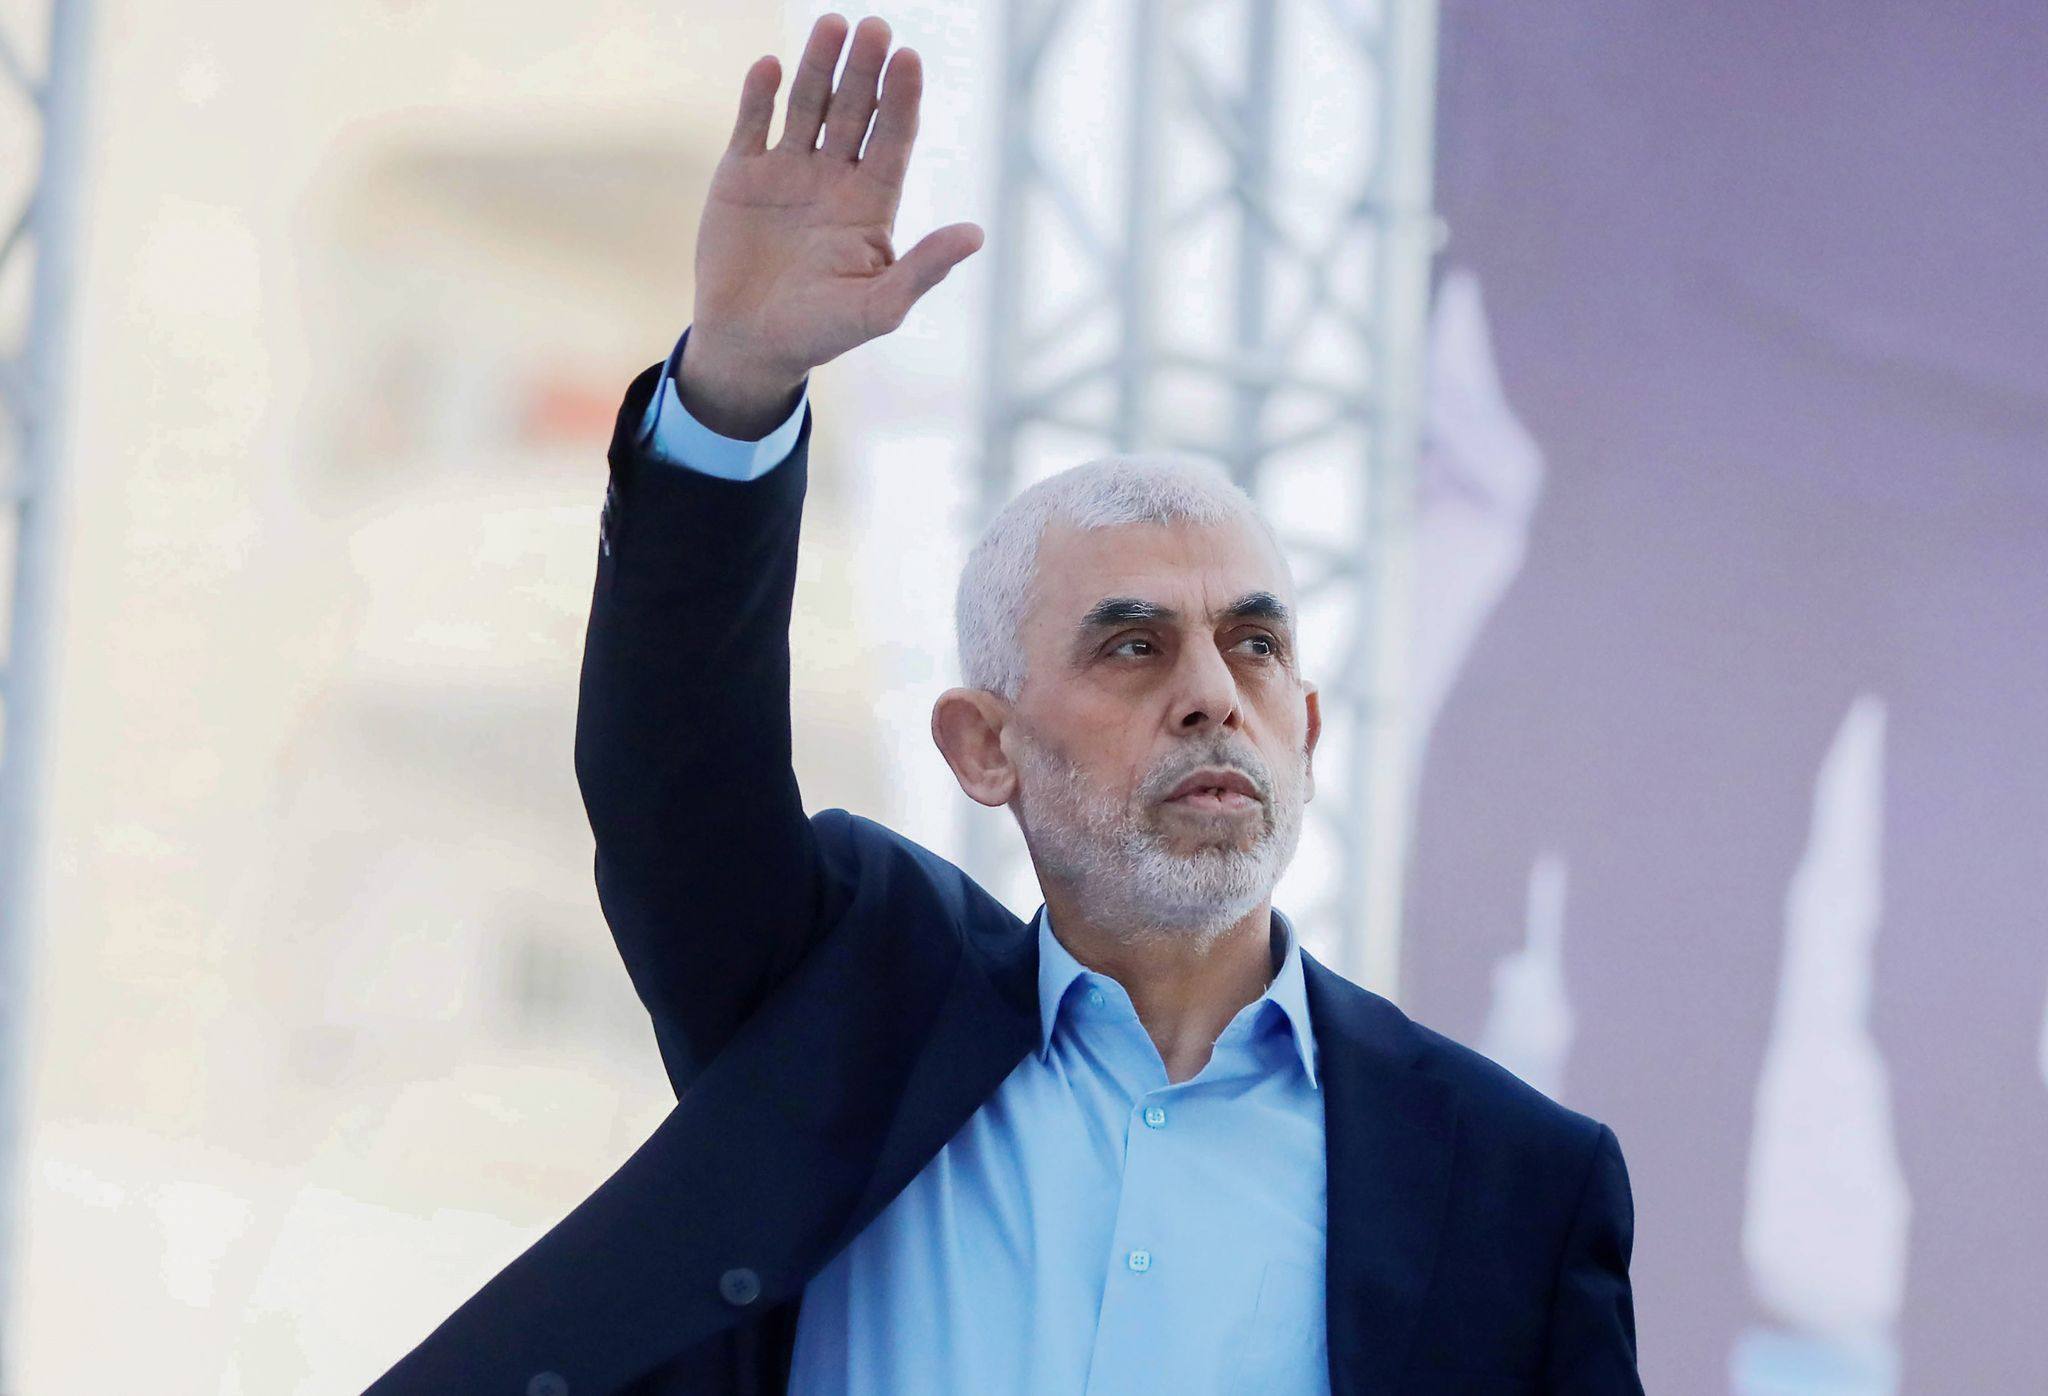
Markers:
<point>1246,839</point>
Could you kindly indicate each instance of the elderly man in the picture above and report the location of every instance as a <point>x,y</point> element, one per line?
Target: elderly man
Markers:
<point>1142,1143</point>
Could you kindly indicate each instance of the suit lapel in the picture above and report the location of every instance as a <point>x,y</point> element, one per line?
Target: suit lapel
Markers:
<point>1388,1131</point>
<point>986,1023</point>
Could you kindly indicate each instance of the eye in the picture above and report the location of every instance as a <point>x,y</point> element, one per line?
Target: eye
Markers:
<point>1272,645</point>
<point>1134,640</point>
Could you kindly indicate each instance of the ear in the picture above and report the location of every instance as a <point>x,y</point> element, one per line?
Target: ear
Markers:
<point>1315,730</point>
<point>967,724</point>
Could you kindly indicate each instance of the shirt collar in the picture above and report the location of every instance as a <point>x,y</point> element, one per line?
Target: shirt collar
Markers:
<point>1058,969</point>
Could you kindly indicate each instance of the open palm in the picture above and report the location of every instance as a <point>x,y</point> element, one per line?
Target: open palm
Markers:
<point>794,261</point>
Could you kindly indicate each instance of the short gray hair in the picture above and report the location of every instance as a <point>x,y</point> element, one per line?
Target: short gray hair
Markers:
<point>998,583</point>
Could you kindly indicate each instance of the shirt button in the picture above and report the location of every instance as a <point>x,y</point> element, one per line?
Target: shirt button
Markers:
<point>1139,1261</point>
<point>1095,997</point>
<point>1155,1116</point>
<point>740,1286</point>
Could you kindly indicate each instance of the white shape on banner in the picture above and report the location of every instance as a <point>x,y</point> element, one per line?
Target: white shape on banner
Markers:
<point>2044,1041</point>
<point>1825,1234</point>
<point>1529,1023</point>
<point>1477,477</point>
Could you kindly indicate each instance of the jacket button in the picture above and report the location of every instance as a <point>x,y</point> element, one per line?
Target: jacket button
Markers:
<point>740,1286</point>
<point>547,1384</point>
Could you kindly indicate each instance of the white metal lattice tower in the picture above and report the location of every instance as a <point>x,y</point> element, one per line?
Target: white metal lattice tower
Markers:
<point>41,119</point>
<point>1214,234</point>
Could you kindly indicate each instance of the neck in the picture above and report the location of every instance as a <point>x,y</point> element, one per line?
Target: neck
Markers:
<point>1186,990</point>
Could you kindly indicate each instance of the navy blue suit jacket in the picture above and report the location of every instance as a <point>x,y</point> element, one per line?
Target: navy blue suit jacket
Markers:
<point>833,1001</point>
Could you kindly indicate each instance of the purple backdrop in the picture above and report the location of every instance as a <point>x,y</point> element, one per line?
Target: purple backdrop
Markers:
<point>1733,819</point>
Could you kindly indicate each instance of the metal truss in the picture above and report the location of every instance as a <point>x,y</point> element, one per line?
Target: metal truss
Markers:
<point>40,108</point>
<point>1250,281</point>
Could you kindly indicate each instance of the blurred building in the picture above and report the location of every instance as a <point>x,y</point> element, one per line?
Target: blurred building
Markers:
<point>328,1024</point>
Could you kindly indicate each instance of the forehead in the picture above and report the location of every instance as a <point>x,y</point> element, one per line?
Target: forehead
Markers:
<point>1196,569</point>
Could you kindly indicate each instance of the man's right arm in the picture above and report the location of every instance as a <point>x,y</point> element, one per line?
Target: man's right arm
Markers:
<point>707,867</point>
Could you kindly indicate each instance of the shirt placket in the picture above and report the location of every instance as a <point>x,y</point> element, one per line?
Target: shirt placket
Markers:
<point>1143,1266</point>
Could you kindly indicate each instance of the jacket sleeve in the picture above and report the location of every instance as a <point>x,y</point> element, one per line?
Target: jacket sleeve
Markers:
<point>707,868</point>
<point>1592,1342</point>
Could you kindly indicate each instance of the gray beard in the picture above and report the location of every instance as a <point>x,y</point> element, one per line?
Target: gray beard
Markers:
<point>1120,867</point>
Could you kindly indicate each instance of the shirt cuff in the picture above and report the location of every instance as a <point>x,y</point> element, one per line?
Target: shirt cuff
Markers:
<point>671,434</point>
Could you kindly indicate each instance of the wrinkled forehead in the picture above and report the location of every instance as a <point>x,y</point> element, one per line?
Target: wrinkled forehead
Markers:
<point>1179,573</point>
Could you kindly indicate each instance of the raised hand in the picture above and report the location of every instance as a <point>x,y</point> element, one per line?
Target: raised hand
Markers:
<point>794,262</point>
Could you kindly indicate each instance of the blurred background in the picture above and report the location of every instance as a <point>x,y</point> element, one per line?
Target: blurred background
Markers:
<point>1651,398</point>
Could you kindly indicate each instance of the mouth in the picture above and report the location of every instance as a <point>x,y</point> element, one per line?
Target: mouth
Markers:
<point>1215,790</point>
<point>1213,802</point>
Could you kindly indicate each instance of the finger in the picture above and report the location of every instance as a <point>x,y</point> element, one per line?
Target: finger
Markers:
<point>848,110</point>
<point>757,106</point>
<point>812,83</point>
<point>921,268</point>
<point>888,152</point>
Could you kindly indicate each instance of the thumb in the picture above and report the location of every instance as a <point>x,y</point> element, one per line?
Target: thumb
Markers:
<point>921,268</point>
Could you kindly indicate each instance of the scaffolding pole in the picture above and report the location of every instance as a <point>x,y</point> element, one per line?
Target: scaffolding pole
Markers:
<point>1089,369</point>
<point>41,235</point>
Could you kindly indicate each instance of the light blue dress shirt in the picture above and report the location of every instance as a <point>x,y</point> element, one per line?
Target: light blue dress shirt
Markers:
<point>1092,1230</point>
<point>1095,1231</point>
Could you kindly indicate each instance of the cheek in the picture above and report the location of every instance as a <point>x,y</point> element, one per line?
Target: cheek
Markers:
<point>1091,734</point>
<point>1106,749</point>
<point>1101,723</point>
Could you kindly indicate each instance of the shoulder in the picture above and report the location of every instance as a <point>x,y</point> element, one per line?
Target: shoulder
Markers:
<point>1525,1154</point>
<point>907,906</point>
<point>1501,1104</point>
<point>1505,1125</point>
<point>880,868</point>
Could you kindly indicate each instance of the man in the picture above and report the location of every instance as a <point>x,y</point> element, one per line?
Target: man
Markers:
<point>1145,1142</point>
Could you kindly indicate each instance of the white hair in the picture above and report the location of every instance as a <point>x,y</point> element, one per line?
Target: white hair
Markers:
<point>998,582</point>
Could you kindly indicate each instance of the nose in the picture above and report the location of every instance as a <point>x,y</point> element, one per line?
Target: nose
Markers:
<point>1208,696</point>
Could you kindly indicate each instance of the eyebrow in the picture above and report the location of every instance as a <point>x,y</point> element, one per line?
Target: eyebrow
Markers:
<point>1113,611</point>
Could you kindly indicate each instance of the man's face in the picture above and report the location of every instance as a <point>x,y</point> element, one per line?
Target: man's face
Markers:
<point>1153,652</point>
